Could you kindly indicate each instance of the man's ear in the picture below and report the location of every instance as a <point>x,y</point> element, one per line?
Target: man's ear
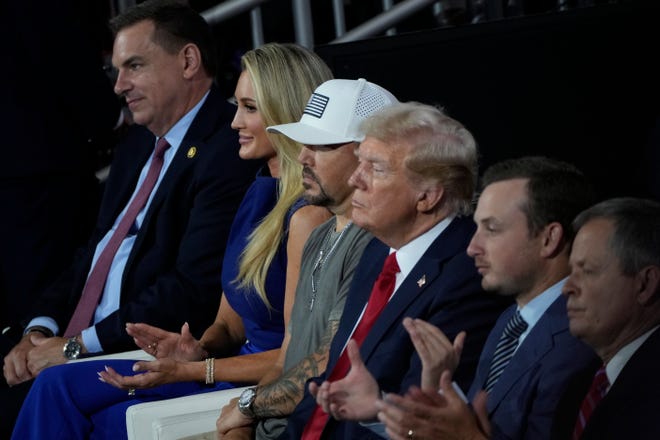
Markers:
<point>553,239</point>
<point>429,198</point>
<point>648,285</point>
<point>191,59</point>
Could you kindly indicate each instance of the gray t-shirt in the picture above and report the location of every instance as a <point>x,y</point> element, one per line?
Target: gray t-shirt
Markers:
<point>313,311</point>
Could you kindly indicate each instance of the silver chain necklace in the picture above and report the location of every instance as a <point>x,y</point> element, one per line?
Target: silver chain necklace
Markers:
<point>324,254</point>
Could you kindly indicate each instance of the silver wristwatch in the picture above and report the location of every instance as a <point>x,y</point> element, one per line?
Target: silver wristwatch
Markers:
<point>72,348</point>
<point>245,402</point>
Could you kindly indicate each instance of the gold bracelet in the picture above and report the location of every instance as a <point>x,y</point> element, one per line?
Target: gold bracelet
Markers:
<point>210,371</point>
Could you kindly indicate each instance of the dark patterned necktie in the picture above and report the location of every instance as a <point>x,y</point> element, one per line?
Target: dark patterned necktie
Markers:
<point>506,346</point>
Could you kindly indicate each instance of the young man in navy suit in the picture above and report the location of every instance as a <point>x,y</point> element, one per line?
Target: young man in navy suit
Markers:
<point>521,248</point>
<point>413,185</point>
<point>167,268</point>
<point>613,301</point>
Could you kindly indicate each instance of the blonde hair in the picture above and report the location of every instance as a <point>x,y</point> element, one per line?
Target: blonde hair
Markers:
<point>283,77</point>
<point>443,150</point>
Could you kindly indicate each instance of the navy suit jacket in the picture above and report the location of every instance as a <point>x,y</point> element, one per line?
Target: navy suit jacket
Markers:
<point>539,393</point>
<point>173,271</point>
<point>451,298</point>
<point>629,410</point>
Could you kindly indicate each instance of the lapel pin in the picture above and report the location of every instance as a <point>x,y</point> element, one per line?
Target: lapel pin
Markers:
<point>421,281</point>
<point>191,152</point>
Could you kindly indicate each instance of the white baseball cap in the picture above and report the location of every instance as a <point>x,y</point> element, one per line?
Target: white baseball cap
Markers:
<point>335,111</point>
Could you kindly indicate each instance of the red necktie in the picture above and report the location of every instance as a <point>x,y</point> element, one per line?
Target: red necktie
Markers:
<point>594,396</point>
<point>93,289</point>
<point>380,294</point>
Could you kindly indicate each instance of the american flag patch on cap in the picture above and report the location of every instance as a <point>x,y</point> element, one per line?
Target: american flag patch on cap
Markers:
<point>316,105</point>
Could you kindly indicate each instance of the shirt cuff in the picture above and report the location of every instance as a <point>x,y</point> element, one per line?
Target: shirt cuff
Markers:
<point>377,428</point>
<point>44,321</point>
<point>91,340</point>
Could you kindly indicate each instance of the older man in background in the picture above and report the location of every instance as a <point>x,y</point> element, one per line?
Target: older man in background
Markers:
<point>613,297</point>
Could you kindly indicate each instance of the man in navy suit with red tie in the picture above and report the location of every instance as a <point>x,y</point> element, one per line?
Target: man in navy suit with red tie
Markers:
<point>166,270</point>
<point>413,186</point>
<point>613,302</point>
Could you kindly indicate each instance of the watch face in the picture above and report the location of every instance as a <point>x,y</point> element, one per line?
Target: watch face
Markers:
<point>72,349</point>
<point>246,397</point>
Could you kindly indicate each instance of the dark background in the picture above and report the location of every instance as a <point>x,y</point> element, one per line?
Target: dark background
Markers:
<point>580,85</point>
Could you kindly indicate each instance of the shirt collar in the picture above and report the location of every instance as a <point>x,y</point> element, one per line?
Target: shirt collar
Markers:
<point>178,131</point>
<point>534,310</point>
<point>621,358</point>
<point>410,253</point>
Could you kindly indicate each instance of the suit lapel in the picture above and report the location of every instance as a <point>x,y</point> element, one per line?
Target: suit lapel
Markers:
<point>641,366</point>
<point>123,184</point>
<point>188,154</point>
<point>191,149</point>
<point>418,282</point>
<point>535,346</point>
<point>180,163</point>
<point>395,310</point>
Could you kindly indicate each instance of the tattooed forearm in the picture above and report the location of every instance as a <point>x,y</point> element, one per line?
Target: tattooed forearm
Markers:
<point>280,398</point>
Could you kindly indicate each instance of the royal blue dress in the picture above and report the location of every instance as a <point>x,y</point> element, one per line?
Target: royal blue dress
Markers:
<point>69,402</point>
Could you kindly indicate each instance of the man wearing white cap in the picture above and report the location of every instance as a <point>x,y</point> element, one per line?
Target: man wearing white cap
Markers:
<point>330,132</point>
<point>414,186</point>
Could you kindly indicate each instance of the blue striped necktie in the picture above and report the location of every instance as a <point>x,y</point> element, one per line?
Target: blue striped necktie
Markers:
<point>505,348</point>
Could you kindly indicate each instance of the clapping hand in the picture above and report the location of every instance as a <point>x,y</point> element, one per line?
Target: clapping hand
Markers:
<point>354,396</point>
<point>153,373</point>
<point>427,414</point>
<point>435,350</point>
<point>163,344</point>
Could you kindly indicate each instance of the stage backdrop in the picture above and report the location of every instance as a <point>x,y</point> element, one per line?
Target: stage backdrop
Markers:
<point>581,85</point>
